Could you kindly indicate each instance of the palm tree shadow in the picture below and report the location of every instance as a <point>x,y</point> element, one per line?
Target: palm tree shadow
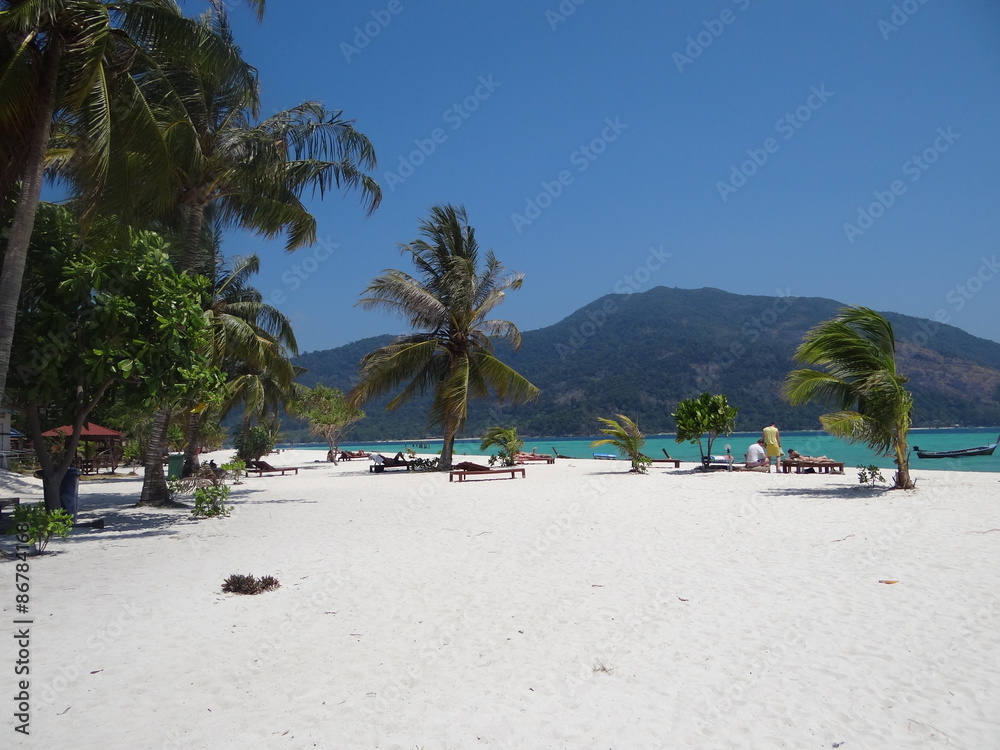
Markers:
<point>833,492</point>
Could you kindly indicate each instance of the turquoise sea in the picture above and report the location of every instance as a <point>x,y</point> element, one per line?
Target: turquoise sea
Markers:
<point>816,443</point>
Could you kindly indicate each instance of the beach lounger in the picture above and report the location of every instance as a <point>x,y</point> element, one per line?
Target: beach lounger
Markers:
<point>260,468</point>
<point>535,457</point>
<point>462,474</point>
<point>667,460</point>
<point>803,466</point>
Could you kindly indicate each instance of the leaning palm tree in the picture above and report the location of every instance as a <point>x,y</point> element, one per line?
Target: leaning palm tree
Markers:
<point>624,434</point>
<point>857,353</point>
<point>451,353</point>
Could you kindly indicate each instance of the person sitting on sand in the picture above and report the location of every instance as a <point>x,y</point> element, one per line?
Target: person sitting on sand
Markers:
<point>756,457</point>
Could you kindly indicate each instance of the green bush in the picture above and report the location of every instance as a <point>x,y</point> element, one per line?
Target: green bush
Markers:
<point>210,501</point>
<point>35,525</point>
<point>869,475</point>
<point>253,444</point>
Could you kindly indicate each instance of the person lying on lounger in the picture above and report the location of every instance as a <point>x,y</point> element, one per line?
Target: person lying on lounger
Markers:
<point>796,456</point>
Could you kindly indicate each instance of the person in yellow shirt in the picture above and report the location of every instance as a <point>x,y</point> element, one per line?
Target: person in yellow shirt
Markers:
<point>772,445</point>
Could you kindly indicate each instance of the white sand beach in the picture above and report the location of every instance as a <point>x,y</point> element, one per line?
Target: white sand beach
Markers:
<point>580,607</point>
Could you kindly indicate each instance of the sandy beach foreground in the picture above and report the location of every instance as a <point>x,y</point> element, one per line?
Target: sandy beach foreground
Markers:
<point>580,607</point>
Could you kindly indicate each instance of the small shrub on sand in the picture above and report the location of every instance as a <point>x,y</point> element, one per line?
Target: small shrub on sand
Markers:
<point>240,584</point>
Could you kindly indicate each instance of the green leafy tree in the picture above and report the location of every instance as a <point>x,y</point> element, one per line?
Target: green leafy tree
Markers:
<point>706,415</point>
<point>452,351</point>
<point>624,435</point>
<point>256,442</point>
<point>100,318</point>
<point>329,413</point>
<point>507,442</point>
<point>72,61</point>
<point>856,352</point>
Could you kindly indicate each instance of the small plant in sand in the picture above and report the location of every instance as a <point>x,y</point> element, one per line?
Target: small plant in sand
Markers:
<point>36,526</point>
<point>627,438</point>
<point>240,584</point>
<point>869,475</point>
<point>506,441</point>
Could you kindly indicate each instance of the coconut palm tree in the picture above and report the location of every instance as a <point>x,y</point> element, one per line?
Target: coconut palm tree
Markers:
<point>857,353</point>
<point>624,434</point>
<point>506,440</point>
<point>72,60</point>
<point>451,353</point>
<point>249,173</point>
<point>242,172</point>
<point>250,341</point>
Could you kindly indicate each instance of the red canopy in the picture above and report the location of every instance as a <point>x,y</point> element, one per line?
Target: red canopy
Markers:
<point>88,431</point>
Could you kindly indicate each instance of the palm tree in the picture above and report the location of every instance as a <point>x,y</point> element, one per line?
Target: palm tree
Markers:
<point>451,352</point>
<point>72,60</point>
<point>251,342</point>
<point>626,437</point>
<point>506,440</point>
<point>250,173</point>
<point>241,172</point>
<point>857,353</point>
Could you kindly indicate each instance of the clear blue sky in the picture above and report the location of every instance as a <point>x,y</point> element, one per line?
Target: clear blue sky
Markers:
<point>727,143</point>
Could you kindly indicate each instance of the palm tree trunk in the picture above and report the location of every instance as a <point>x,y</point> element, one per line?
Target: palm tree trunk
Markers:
<point>191,461</point>
<point>27,205</point>
<point>154,483</point>
<point>190,260</point>
<point>448,449</point>
<point>903,481</point>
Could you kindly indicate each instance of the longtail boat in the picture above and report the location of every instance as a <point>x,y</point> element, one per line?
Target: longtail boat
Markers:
<point>982,450</point>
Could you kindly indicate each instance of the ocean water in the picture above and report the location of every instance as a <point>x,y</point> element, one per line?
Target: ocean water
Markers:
<point>816,443</point>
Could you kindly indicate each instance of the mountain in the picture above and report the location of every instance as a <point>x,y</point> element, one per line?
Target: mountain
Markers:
<point>639,354</point>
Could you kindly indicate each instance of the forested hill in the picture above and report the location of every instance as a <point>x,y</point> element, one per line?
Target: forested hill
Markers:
<point>639,354</point>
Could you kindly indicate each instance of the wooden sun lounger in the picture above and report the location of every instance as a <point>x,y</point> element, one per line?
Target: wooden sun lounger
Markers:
<point>463,473</point>
<point>819,467</point>
<point>546,459</point>
<point>668,460</point>
<point>273,470</point>
<point>5,501</point>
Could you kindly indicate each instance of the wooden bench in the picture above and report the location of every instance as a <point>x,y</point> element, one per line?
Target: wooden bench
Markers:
<point>463,473</point>
<point>676,462</point>
<point>5,501</point>
<point>818,467</point>
<point>276,470</point>
<point>526,459</point>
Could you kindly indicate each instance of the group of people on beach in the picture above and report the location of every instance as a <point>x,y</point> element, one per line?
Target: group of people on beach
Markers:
<point>767,451</point>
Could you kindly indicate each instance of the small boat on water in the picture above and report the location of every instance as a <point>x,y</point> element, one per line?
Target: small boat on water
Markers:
<point>982,450</point>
